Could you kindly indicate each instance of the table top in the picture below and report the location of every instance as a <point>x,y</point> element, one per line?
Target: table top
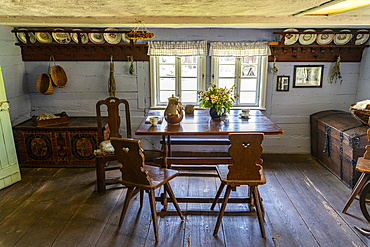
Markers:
<point>201,123</point>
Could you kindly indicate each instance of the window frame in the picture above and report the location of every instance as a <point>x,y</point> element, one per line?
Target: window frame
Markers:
<point>261,81</point>
<point>154,79</point>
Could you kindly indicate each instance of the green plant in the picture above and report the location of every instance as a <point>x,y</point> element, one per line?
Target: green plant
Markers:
<point>217,97</point>
<point>335,75</point>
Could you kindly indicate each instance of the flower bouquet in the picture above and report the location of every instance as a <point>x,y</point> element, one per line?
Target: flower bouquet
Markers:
<point>220,99</point>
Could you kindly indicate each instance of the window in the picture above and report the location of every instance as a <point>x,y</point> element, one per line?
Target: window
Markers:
<point>178,75</point>
<point>247,73</point>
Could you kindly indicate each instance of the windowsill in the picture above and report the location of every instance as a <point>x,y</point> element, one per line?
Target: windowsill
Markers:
<point>232,108</point>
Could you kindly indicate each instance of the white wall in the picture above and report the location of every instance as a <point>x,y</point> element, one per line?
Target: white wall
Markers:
<point>363,92</point>
<point>88,82</point>
<point>14,76</point>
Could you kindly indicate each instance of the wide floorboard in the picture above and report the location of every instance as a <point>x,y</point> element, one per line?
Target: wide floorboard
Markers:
<point>60,207</point>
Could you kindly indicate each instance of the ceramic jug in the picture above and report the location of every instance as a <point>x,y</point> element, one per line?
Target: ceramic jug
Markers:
<point>173,113</point>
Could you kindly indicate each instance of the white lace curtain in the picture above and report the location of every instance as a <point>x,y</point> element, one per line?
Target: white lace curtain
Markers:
<point>230,49</point>
<point>189,48</point>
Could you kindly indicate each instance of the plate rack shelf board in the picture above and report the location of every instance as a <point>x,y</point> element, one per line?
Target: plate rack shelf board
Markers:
<point>67,145</point>
<point>337,140</point>
<point>81,51</point>
<point>316,53</point>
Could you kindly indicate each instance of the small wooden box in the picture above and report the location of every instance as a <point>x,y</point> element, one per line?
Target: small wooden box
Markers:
<point>337,140</point>
<point>49,122</point>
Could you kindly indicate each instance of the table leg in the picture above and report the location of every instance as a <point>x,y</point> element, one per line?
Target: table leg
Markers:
<point>169,151</point>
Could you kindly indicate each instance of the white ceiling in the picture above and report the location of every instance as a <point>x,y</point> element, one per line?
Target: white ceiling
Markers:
<point>174,13</point>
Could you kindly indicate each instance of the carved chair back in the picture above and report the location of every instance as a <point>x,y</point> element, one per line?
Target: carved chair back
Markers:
<point>114,120</point>
<point>367,153</point>
<point>129,153</point>
<point>245,150</point>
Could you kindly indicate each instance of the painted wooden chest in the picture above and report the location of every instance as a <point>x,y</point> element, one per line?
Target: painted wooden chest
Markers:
<point>337,140</point>
<point>67,145</point>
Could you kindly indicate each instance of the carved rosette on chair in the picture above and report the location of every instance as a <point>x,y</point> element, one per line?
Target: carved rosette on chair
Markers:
<point>173,113</point>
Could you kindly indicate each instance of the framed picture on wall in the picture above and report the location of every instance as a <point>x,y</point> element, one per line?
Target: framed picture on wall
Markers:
<point>282,83</point>
<point>308,75</point>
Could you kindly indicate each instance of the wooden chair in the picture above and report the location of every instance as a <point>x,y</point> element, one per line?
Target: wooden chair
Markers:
<point>245,151</point>
<point>363,165</point>
<point>114,123</point>
<point>135,174</point>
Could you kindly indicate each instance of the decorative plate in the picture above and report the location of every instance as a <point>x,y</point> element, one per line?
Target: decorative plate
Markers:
<point>361,38</point>
<point>84,37</point>
<point>291,38</point>
<point>325,38</point>
<point>342,39</point>
<point>22,36</point>
<point>125,38</point>
<point>61,38</point>
<point>112,38</point>
<point>307,39</point>
<point>43,37</point>
<point>96,38</point>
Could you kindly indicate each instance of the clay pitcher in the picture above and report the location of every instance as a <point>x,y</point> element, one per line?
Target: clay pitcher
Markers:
<point>173,113</point>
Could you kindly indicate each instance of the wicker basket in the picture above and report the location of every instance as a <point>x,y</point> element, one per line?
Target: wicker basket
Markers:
<point>44,84</point>
<point>362,115</point>
<point>59,76</point>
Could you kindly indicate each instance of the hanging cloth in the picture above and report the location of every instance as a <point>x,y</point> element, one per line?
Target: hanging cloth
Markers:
<point>188,48</point>
<point>233,49</point>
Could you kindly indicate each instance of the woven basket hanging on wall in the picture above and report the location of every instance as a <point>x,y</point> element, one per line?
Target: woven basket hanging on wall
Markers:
<point>59,76</point>
<point>44,84</point>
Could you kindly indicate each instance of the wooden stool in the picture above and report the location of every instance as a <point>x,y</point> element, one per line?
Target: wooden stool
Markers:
<point>363,165</point>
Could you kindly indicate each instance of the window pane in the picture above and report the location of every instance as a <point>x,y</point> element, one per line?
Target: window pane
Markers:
<point>167,59</point>
<point>188,60</point>
<point>226,60</point>
<point>226,83</point>
<point>251,59</point>
<point>248,97</point>
<point>189,96</point>
<point>249,70</point>
<point>226,71</point>
<point>189,70</point>
<point>164,95</point>
<point>248,85</point>
<point>167,83</point>
<point>167,70</point>
<point>189,84</point>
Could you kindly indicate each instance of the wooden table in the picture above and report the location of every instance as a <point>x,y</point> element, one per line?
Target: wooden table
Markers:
<point>202,125</point>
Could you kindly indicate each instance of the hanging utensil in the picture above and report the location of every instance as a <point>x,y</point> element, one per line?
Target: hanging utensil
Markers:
<point>112,82</point>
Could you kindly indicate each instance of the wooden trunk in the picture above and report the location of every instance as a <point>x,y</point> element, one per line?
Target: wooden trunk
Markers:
<point>337,140</point>
<point>68,145</point>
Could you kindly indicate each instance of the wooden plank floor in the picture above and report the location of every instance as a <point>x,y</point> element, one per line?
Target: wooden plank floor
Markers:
<point>60,207</point>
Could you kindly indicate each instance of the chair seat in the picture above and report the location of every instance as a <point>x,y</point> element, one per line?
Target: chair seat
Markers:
<point>158,176</point>
<point>223,171</point>
<point>363,165</point>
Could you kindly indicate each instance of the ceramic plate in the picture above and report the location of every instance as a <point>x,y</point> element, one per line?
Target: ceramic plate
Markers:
<point>96,38</point>
<point>361,38</point>
<point>342,39</point>
<point>291,38</point>
<point>112,38</point>
<point>22,36</point>
<point>61,38</point>
<point>84,37</point>
<point>43,37</point>
<point>325,39</point>
<point>125,38</point>
<point>307,39</point>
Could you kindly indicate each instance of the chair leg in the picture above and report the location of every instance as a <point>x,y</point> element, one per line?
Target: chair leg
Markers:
<point>259,210</point>
<point>100,175</point>
<point>126,203</point>
<point>172,196</point>
<point>222,211</point>
<point>141,197</point>
<point>154,213</point>
<point>222,185</point>
<point>259,196</point>
<point>356,190</point>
